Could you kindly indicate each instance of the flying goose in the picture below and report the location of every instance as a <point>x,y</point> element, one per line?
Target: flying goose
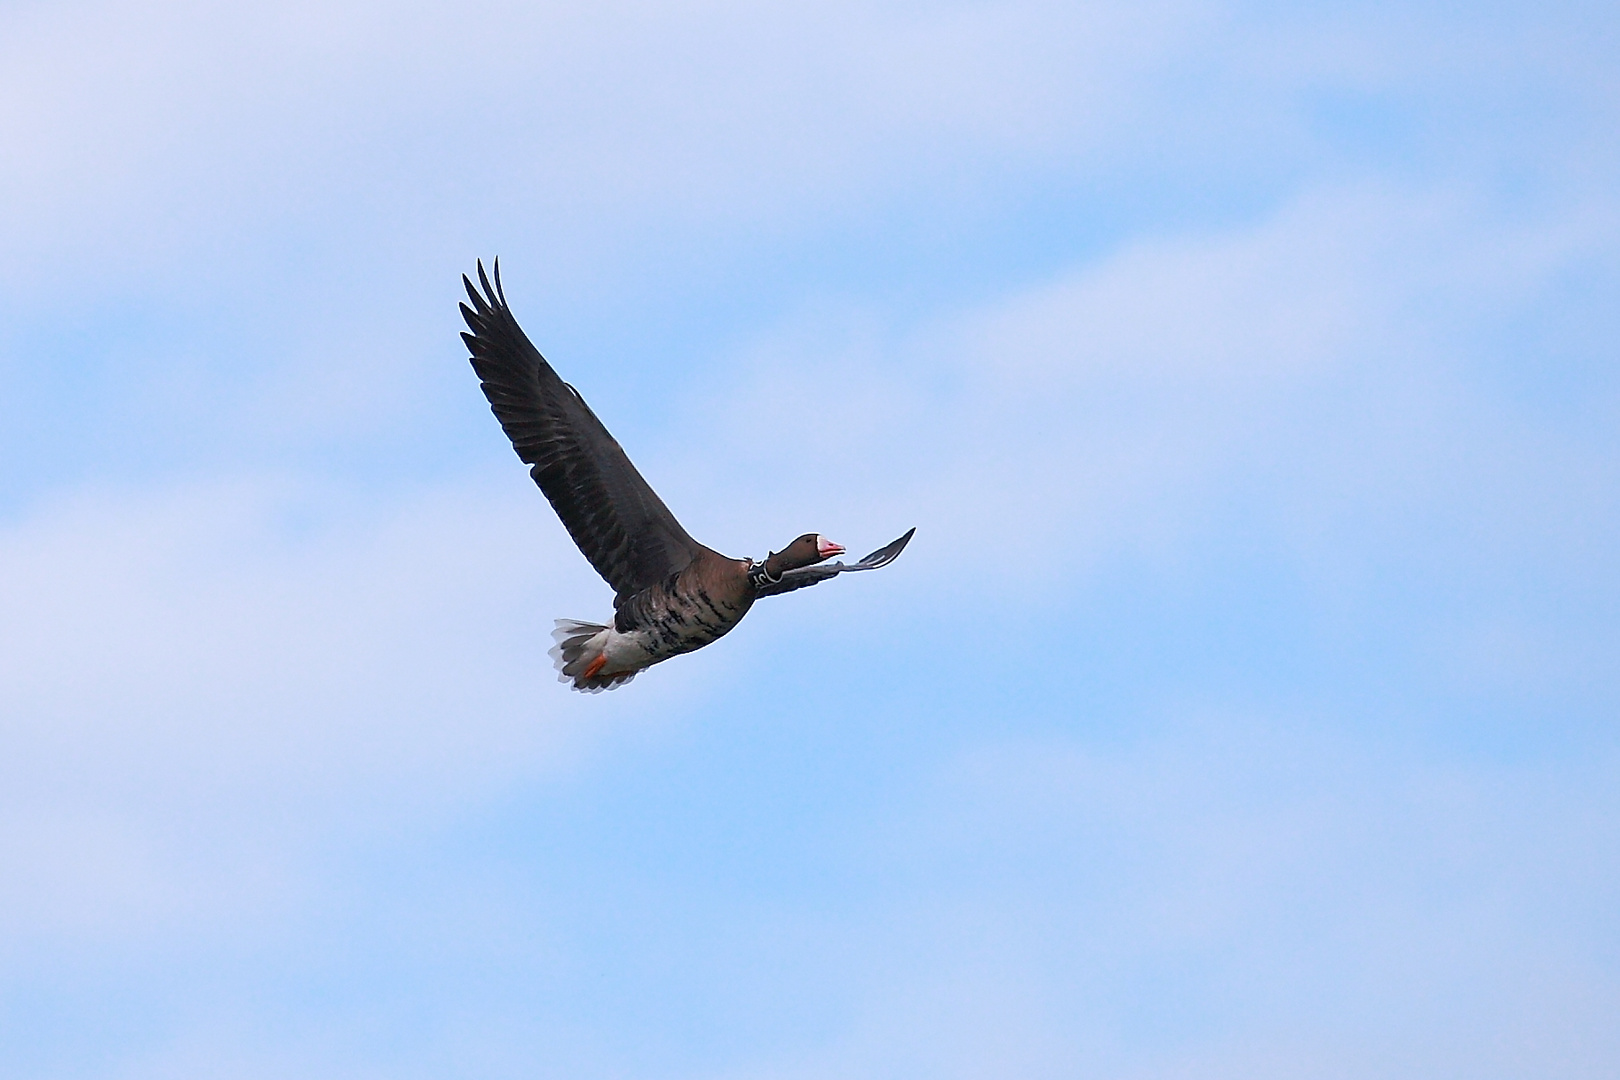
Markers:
<point>671,593</point>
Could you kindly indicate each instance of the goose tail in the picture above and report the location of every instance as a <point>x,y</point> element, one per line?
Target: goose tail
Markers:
<point>579,655</point>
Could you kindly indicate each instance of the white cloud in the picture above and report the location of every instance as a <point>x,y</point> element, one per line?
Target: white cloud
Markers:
<point>201,643</point>
<point>1313,364</point>
<point>1237,899</point>
<point>209,684</point>
<point>200,682</point>
<point>146,133</point>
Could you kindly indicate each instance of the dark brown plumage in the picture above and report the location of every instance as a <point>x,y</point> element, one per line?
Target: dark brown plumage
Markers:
<point>671,593</point>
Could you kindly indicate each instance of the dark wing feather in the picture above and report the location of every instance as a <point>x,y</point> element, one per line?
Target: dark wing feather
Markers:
<point>815,575</point>
<point>618,521</point>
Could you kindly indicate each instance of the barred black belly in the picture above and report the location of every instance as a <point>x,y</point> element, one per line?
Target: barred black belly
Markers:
<point>671,620</point>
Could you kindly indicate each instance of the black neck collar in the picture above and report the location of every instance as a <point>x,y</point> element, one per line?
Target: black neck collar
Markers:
<point>759,577</point>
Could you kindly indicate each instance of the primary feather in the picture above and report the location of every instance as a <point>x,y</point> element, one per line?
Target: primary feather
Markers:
<point>618,521</point>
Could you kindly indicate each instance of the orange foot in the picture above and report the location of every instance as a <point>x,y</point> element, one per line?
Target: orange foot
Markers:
<point>596,665</point>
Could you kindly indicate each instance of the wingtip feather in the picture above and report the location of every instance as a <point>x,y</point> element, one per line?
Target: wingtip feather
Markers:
<point>483,279</point>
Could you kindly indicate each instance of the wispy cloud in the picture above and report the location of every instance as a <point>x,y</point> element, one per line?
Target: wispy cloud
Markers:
<point>1243,707</point>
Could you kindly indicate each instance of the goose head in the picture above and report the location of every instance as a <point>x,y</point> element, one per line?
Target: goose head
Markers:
<point>807,550</point>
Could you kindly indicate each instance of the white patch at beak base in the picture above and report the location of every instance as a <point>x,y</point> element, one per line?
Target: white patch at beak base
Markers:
<point>826,548</point>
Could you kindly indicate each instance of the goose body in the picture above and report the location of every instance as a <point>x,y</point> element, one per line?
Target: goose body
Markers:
<point>700,605</point>
<point>671,594</point>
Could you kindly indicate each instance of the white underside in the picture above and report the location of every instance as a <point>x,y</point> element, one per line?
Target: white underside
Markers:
<point>626,654</point>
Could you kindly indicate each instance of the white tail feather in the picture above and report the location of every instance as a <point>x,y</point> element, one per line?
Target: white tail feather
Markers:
<point>578,645</point>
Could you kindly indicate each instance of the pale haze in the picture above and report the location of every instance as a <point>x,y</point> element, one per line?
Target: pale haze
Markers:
<point>1247,706</point>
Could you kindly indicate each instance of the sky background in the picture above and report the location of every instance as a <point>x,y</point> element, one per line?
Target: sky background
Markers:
<point>1247,705</point>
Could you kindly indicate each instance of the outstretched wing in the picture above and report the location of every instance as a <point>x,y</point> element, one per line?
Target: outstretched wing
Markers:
<point>815,575</point>
<point>618,521</point>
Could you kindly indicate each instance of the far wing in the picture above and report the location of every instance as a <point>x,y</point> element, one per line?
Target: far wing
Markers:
<point>815,575</point>
<point>618,521</point>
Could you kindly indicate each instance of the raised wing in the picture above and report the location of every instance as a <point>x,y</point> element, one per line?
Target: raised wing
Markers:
<point>815,575</point>
<point>618,521</point>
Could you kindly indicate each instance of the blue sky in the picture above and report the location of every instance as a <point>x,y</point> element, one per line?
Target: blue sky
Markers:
<point>1246,705</point>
